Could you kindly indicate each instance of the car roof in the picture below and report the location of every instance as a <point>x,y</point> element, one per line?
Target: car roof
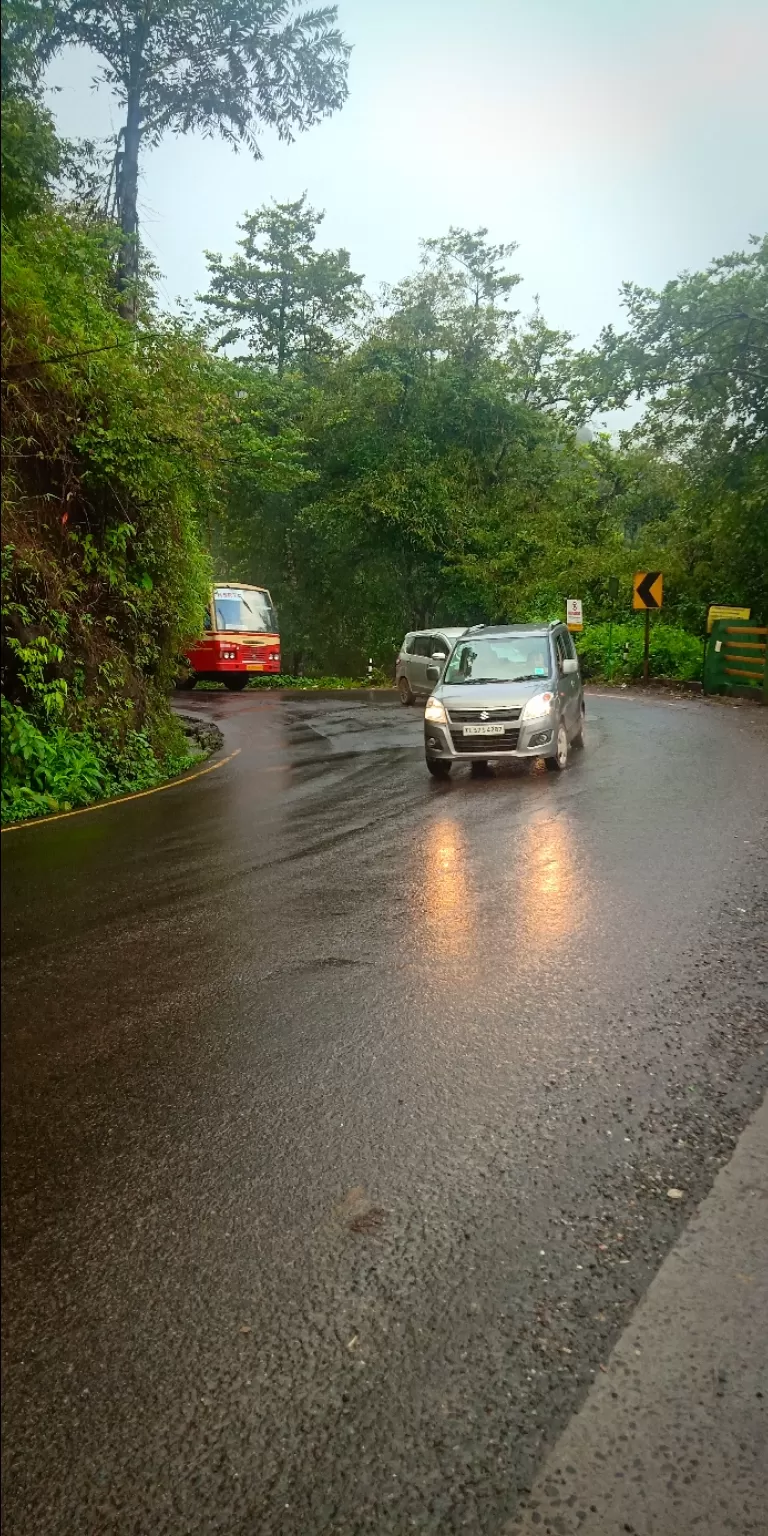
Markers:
<point>440,629</point>
<point>488,630</point>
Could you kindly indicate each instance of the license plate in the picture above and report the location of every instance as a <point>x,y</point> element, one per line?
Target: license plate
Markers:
<point>483,730</point>
<point>254,666</point>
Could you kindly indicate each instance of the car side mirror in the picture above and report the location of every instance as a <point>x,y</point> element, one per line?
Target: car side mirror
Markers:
<point>433,674</point>
<point>570,665</point>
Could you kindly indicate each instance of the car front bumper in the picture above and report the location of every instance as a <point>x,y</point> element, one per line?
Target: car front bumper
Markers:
<point>535,738</point>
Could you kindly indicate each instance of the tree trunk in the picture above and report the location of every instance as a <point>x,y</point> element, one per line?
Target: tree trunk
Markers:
<point>281,337</point>
<point>128,265</point>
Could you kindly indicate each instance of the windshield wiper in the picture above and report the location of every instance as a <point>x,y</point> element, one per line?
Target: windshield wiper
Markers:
<point>529,677</point>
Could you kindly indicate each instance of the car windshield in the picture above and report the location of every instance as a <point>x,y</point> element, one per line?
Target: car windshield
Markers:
<point>243,609</point>
<point>516,659</point>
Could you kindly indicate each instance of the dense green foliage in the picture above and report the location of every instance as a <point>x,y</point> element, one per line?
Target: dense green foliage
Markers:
<point>380,466</point>
<point>58,768</point>
<point>447,480</point>
<point>697,354</point>
<point>613,651</point>
<point>102,566</point>
<point>284,680</point>
<point>120,442</point>
<point>29,149</point>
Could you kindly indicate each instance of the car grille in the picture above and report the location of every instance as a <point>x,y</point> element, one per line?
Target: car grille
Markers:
<point>506,743</point>
<point>472,716</point>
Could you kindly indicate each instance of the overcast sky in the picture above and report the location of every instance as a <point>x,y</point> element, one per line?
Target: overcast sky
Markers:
<point>611,138</point>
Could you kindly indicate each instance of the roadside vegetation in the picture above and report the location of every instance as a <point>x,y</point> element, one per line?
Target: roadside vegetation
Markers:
<point>381,464</point>
<point>310,682</point>
<point>124,437</point>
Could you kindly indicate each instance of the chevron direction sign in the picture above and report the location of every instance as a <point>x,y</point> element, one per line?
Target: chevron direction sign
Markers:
<point>647,589</point>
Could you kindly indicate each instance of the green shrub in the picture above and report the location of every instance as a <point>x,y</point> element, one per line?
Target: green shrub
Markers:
<point>377,679</point>
<point>59,769</point>
<point>110,450</point>
<point>674,652</point>
<point>44,772</point>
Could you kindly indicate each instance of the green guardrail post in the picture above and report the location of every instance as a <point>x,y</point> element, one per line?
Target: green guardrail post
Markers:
<point>727,657</point>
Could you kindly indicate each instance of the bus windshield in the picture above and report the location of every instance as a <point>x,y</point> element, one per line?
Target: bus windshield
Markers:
<point>244,609</point>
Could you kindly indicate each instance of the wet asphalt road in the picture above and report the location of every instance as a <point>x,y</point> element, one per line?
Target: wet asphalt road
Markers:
<point>340,1108</point>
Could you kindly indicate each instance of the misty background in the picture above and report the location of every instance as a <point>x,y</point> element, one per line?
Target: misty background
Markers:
<point>613,141</point>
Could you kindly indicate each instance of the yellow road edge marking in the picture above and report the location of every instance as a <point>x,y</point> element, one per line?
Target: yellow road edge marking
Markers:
<point>103,805</point>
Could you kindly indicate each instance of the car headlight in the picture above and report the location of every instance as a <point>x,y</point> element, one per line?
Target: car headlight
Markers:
<point>435,712</point>
<point>538,707</point>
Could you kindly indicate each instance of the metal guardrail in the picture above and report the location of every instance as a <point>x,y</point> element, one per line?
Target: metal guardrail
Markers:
<point>736,659</point>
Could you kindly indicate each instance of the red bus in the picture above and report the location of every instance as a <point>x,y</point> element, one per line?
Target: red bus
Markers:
<point>240,638</point>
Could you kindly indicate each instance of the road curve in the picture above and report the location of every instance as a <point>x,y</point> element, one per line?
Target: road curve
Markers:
<point>340,1109</point>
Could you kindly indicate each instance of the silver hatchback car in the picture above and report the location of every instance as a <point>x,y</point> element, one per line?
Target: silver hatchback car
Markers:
<point>507,691</point>
<point>421,649</point>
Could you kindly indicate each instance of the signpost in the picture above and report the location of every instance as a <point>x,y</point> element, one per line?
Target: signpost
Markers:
<point>613,592</point>
<point>574,615</point>
<point>647,590</point>
<point>725,611</point>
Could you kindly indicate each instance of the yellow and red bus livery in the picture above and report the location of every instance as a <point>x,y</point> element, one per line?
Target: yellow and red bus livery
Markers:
<point>240,638</point>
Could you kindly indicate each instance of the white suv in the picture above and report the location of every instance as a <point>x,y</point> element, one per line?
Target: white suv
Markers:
<point>422,648</point>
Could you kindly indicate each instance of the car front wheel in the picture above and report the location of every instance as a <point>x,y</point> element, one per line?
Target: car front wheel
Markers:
<point>559,760</point>
<point>438,768</point>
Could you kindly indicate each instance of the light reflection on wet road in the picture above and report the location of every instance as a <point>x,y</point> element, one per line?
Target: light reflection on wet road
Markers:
<point>323,1083</point>
<point>443,868</point>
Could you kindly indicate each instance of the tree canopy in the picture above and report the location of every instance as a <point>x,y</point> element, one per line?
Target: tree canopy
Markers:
<point>697,352</point>
<point>696,356</point>
<point>449,481</point>
<point>289,303</point>
<point>226,67</point>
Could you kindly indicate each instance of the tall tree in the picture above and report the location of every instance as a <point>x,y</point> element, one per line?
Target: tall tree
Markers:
<point>287,301</point>
<point>457,304</point>
<point>224,67</point>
